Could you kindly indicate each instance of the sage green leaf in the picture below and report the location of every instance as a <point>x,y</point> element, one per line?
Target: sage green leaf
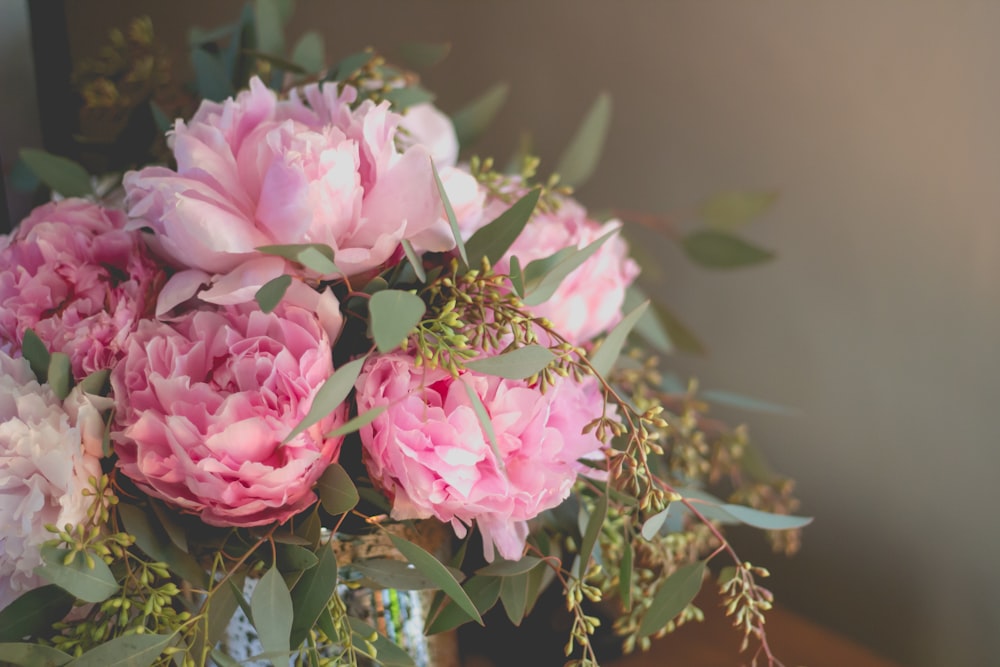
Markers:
<point>223,660</point>
<point>519,363</point>
<point>421,55</point>
<point>60,375</point>
<point>387,653</point>
<point>295,558</point>
<point>270,32</point>
<point>211,78</point>
<point>171,526</point>
<point>484,593</point>
<point>312,593</point>
<point>594,524</point>
<point>580,159</point>
<point>651,526</point>
<point>438,573</point>
<point>506,568</point>
<point>355,424</point>
<point>330,395</point>
<point>390,573</point>
<point>34,350</point>
<point>153,539</point>
<point>160,118</point>
<point>734,400</point>
<point>126,651</point>
<point>276,62</point>
<point>472,120</point>
<point>33,613</point>
<point>309,53</point>
<point>680,335</point>
<point>89,585</point>
<point>721,250</point>
<point>60,174</point>
<point>493,240</point>
<point>649,326</point>
<point>514,595</point>
<point>414,259</point>
<point>315,256</point>
<point>219,608</point>
<point>450,212</point>
<point>543,276</point>
<point>486,423</point>
<point>96,383</point>
<point>351,64</point>
<point>625,575</point>
<point>517,276</point>
<point>337,492</point>
<point>32,655</point>
<point>394,314</point>
<point>402,99</point>
<point>674,595</point>
<point>271,605</point>
<point>603,359</point>
<point>728,211</point>
<point>765,520</point>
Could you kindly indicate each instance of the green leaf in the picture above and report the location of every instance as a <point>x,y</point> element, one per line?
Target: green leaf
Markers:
<point>394,314</point>
<point>276,62</point>
<point>651,526</point>
<point>272,292</point>
<point>96,383</point>
<point>402,99</point>
<point>472,120</point>
<point>517,276</point>
<point>89,585</point>
<point>485,422</point>
<point>160,118</point>
<point>674,595</point>
<point>388,654</point>
<point>731,399</point>
<point>389,573</point>
<point>625,575</point>
<point>330,395</point>
<point>315,256</point>
<point>680,335</point>
<point>450,212</point>
<point>506,568</point>
<point>220,607</point>
<point>728,211</point>
<point>60,375</point>
<point>514,595</point>
<point>579,160</point>
<point>355,424</point>
<point>33,613</point>
<point>649,326</point>
<point>32,655</point>
<point>414,259</point>
<point>337,492</point>
<point>312,594</point>
<point>351,64</point>
<point>60,174</point>
<point>765,520</point>
<point>294,558</point>
<point>270,32</point>
<point>223,660</point>
<point>127,651</point>
<point>34,350</point>
<point>421,55</point>
<point>605,356</point>
<point>156,542</point>
<point>543,276</point>
<point>493,240</point>
<point>271,605</point>
<point>211,78</point>
<point>484,593</point>
<point>438,573</point>
<point>721,250</point>
<point>594,523</point>
<point>309,52</point>
<point>519,363</point>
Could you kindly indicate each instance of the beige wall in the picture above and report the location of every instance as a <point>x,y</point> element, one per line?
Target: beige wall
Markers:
<point>879,122</point>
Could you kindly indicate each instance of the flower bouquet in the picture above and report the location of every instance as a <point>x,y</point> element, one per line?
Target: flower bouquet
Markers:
<point>312,327</point>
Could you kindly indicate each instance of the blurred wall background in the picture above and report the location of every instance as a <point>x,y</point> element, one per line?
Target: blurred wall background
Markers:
<point>878,123</point>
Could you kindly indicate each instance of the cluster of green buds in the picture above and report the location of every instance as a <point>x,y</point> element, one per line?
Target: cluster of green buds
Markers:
<point>508,187</point>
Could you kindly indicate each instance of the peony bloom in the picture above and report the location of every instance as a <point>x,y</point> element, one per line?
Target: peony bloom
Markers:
<point>205,402</point>
<point>48,452</point>
<point>255,170</point>
<point>429,453</point>
<point>75,276</point>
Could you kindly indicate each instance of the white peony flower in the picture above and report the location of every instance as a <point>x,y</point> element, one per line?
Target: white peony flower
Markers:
<point>48,451</point>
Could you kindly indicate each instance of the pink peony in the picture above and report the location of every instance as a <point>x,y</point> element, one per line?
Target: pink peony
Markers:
<point>48,451</point>
<point>205,402</point>
<point>78,279</point>
<point>430,454</point>
<point>256,171</point>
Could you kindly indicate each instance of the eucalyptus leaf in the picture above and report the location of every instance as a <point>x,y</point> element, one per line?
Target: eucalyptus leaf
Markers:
<point>721,250</point>
<point>594,524</point>
<point>278,63</point>
<point>394,314</point>
<point>514,596</point>
<point>330,396</point>
<point>126,651</point>
<point>516,276</point>
<point>270,32</point>
<point>728,211</point>
<point>414,259</point>
<point>494,239</point>
<point>649,326</point>
<point>505,568</point>
<point>60,375</point>
<point>272,292</point>
<point>295,558</point>
<point>312,594</point>
<point>351,64</point>
<point>580,159</point>
<point>450,213</point>
<point>519,363</point>
<point>309,52</point>
<point>625,572</point>
<point>219,608</point>
<point>387,653</point>
<point>211,78</point>
<point>421,55</point>
<point>472,120</point>
<point>543,276</point>
<point>484,420</point>
<point>603,359</point>
<point>732,399</point>
<point>169,521</point>
<point>60,174</point>
<point>34,350</point>
<point>484,593</point>
<point>355,424</point>
<point>32,655</point>
<point>765,520</point>
<point>651,526</point>
<point>390,573</point>
<point>402,99</point>
<point>433,569</point>
<point>160,118</point>
<point>156,542</point>
<point>271,605</point>
<point>96,383</point>
<point>337,492</point>
<point>680,335</point>
<point>315,256</point>
<point>33,613</point>
<point>95,584</point>
<point>674,595</point>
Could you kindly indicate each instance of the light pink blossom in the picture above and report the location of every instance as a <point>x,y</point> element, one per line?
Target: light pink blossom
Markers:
<point>428,450</point>
<point>75,276</point>
<point>205,402</point>
<point>49,449</point>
